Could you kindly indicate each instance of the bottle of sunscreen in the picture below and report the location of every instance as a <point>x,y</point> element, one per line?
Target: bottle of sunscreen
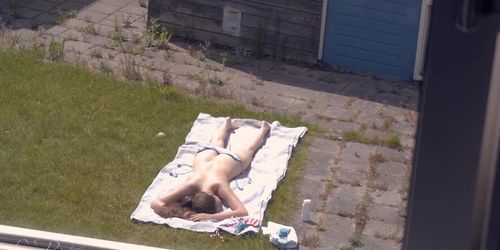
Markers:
<point>306,210</point>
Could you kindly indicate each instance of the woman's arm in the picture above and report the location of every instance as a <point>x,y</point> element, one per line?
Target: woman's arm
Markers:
<point>161,204</point>
<point>227,195</point>
<point>184,189</point>
<point>172,210</point>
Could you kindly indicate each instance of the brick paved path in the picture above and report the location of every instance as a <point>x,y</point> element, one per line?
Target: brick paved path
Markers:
<point>358,190</point>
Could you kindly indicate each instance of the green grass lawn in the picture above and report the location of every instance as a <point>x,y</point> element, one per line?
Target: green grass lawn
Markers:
<point>78,150</point>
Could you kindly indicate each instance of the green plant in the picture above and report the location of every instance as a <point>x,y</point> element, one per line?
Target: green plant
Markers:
<point>157,35</point>
<point>393,141</point>
<point>95,52</point>
<point>129,48</point>
<point>117,27</point>
<point>127,22</point>
<point>215,79</point>
<point>352,135</point>
<point>200,55</point>
<point>377,158</point>
<point>104,68</point>
<point>117,38</point>
<point>355,241</point>
<point>166,79</point>
<point>70,37</point>
<point>320,226</point>
<point>131,70</point>
<point>329,186</point>
<point>55,51</point>
<point>388,121</point>
<point>89,29</point>
<point>329,79</point>
<point>205,50</point>
<point>347,247</point>
<point>311,241</point>
<point>62,16</point>
<point>349,101</point>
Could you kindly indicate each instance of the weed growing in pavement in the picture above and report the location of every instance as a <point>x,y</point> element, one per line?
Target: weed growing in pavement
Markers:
<point>130,48</point>
<point>349,102</point>
<point>355,241</point>
<point>117,38</point>
<point>205,50</point>
<point>394,141</point>
<point>62,16</point>
<point>200,55</point>
<point>311,241</point>
<point>104,68</point>
<point>89,29</point>
<point>71,37</point>
<point>55,51</point>
<point>131,70</point>
<point>320,226</point>
<point>347,247</point>
<point>157,35</point>
<point>377,158</point>
<point>224,57</point>
<point>388,121</point>
<point>95,52</point>
<point>380,186</point>
<point>229,58</point>
<point>329,79</point>
<point>127,21</point>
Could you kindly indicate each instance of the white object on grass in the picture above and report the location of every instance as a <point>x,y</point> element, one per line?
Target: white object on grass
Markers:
<point>273,229</point>
<point>306,210</point>
<point>160,134</point>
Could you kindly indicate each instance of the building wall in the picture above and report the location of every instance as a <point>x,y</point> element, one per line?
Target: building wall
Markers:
<point>289,28</point>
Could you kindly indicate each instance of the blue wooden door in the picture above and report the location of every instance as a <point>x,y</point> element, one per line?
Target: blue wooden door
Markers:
<point>373,36</point>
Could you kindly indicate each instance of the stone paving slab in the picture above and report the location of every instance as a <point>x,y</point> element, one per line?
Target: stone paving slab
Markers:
<point>345,200</point>
<point>388,198</point>
<point>380,229</point>
<point>89,15</point>
<point>372,243</point>
<point>104,8</point>
<point>337,231</point>
<point>42,5</point>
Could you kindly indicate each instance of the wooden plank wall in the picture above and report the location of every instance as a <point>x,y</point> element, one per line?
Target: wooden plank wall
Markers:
<point>289,28</point>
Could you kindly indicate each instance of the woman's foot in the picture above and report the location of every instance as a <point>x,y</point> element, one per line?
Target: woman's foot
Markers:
<point>264,127</point>
<point>228,124</point>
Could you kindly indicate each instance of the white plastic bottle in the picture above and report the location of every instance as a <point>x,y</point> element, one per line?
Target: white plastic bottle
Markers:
<point>306,210</point>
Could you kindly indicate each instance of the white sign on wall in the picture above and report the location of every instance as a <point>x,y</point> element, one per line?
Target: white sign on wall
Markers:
<point>231,21</point>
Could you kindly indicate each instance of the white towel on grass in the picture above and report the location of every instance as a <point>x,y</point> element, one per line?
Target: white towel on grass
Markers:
<point>253,187</point>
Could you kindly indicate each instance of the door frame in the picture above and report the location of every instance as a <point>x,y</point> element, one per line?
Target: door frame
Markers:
<point>423,30</point>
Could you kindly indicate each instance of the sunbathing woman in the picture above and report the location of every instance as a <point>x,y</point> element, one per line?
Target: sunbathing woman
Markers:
<point>214,167</point>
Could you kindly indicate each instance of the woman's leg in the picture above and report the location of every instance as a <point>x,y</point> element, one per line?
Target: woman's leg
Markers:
<point>246,153</point>
<point>219,138</point>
